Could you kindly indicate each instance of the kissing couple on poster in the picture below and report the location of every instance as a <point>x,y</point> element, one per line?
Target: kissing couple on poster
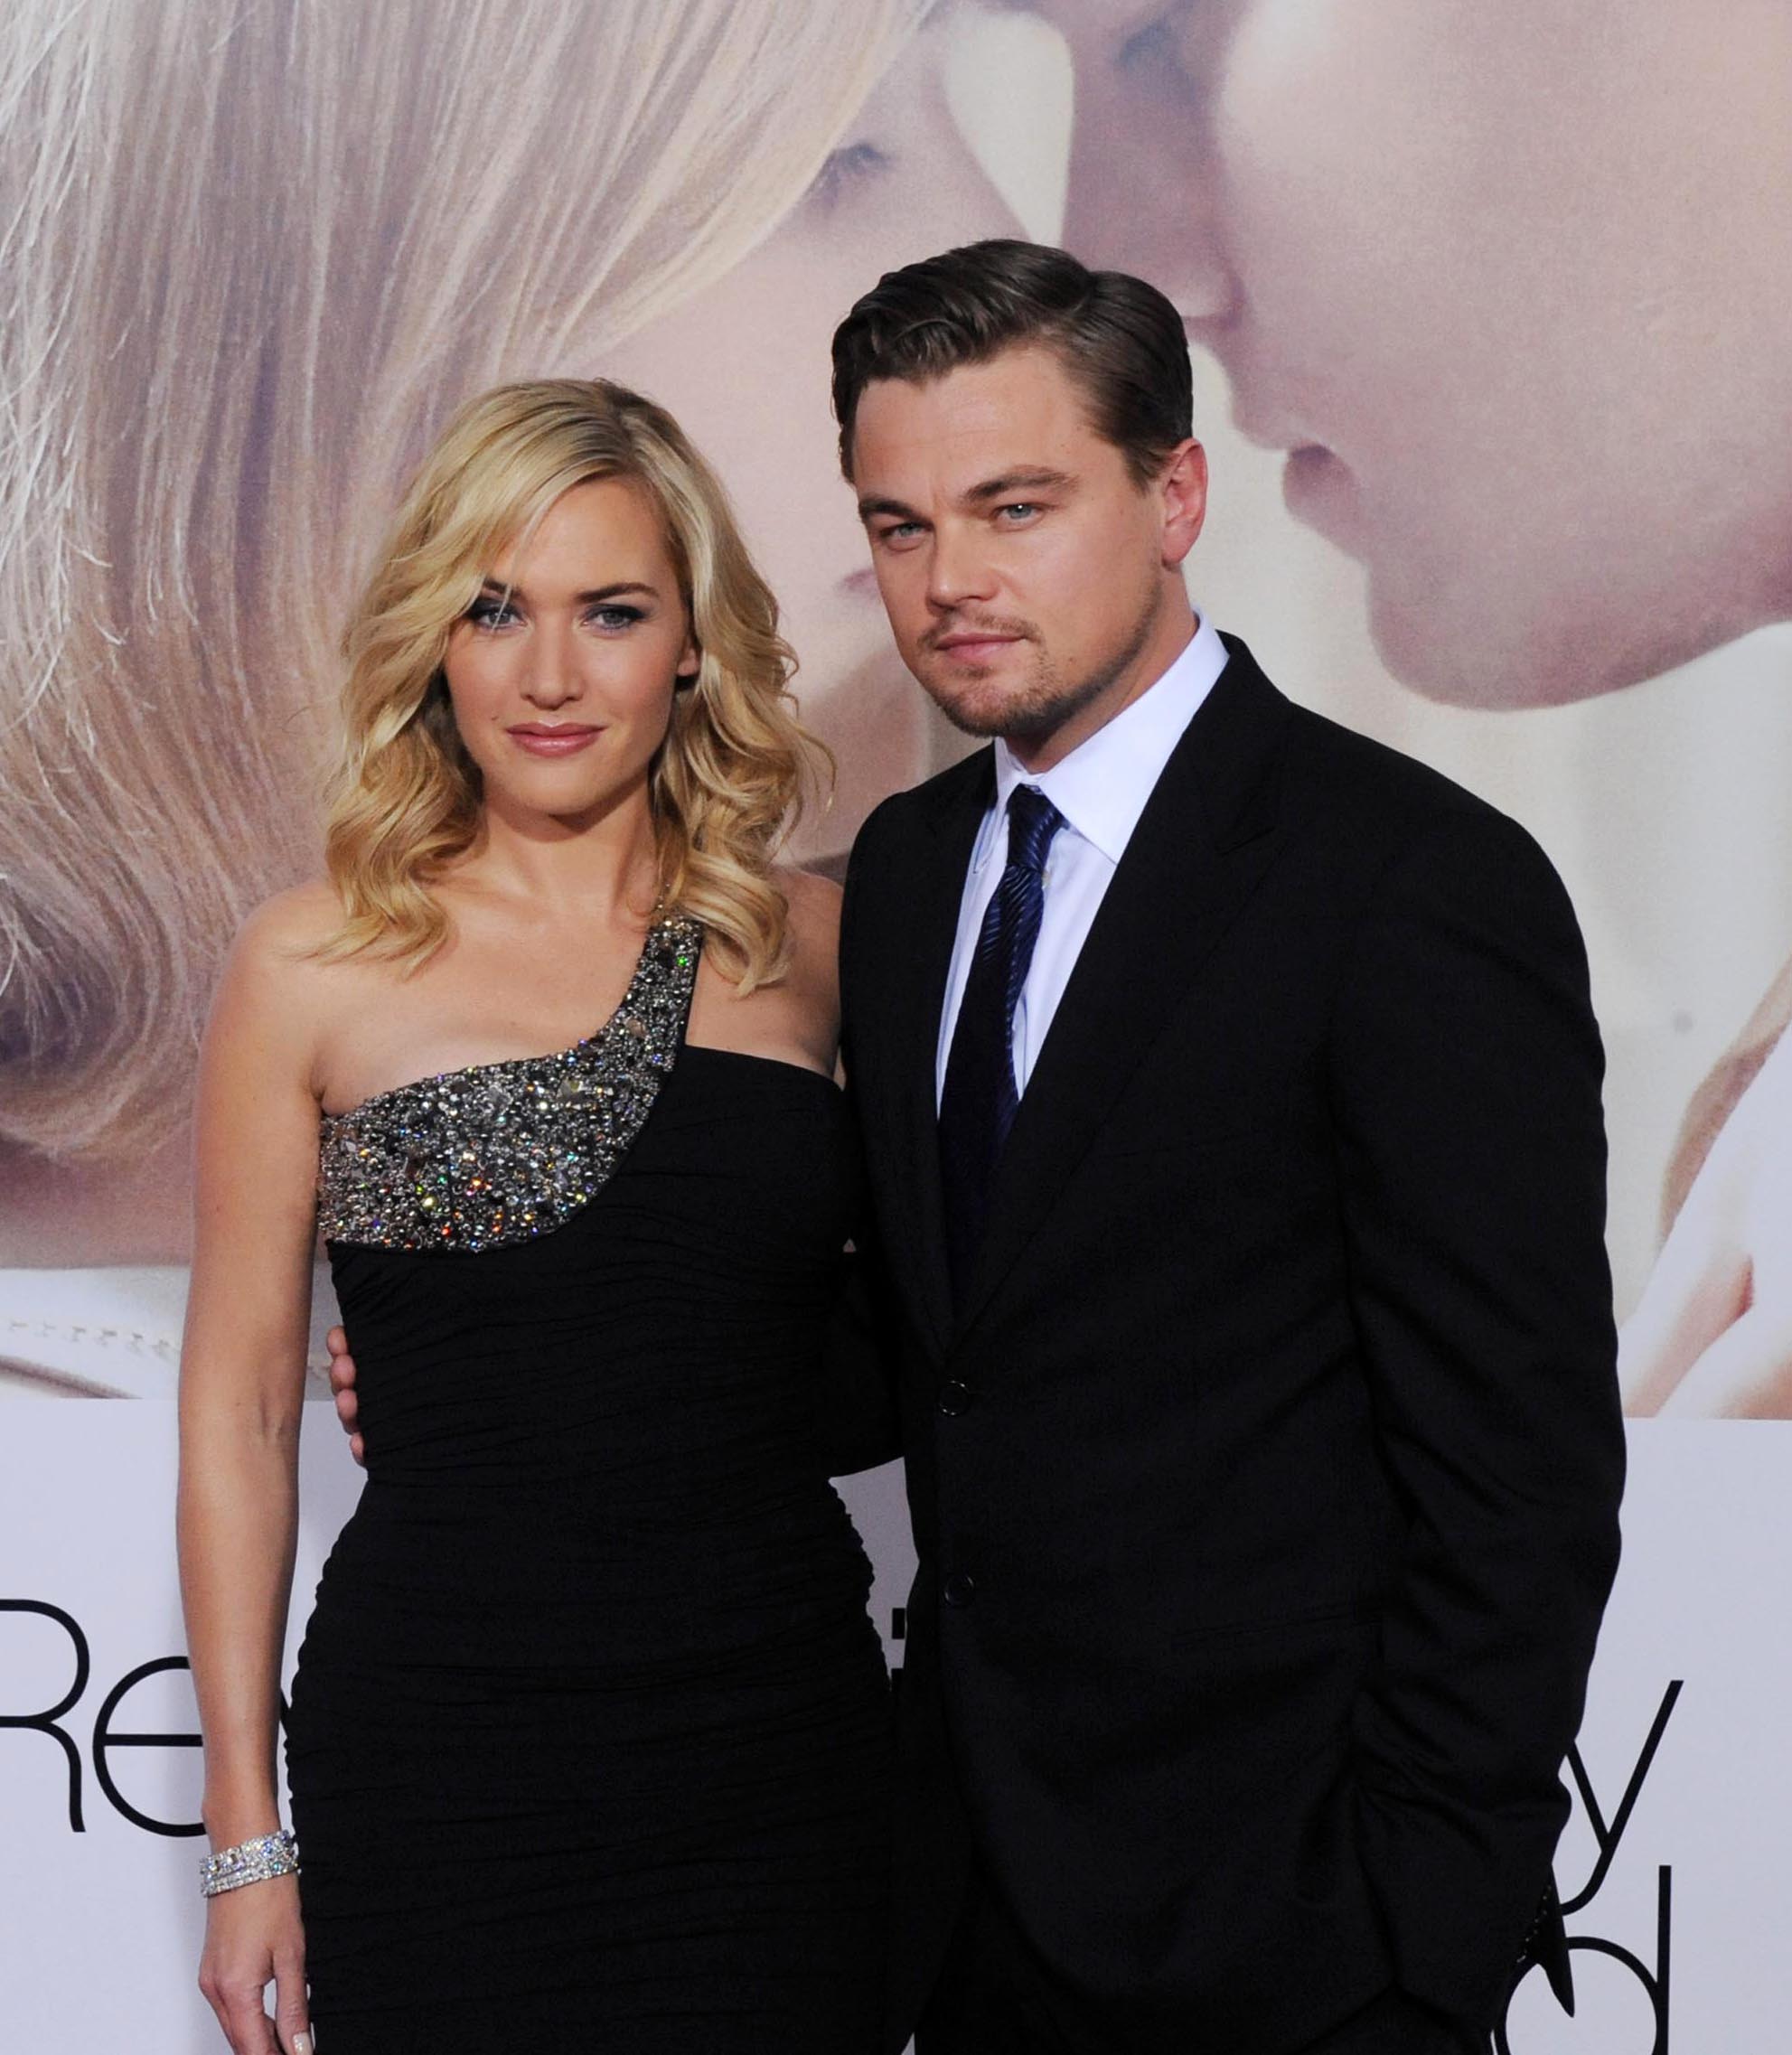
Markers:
<point>1231,1279</point>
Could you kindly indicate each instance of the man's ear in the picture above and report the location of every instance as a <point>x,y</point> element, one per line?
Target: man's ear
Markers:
<point>1182,489</point>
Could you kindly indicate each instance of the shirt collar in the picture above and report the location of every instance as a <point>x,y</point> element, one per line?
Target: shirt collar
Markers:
<point>1101,788</point>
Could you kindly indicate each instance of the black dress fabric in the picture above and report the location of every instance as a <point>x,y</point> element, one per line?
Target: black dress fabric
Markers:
<point>589,1744</point>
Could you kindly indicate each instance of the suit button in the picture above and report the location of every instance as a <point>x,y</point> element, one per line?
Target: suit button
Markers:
<point>954,1397</point>
<point>958,1589</point>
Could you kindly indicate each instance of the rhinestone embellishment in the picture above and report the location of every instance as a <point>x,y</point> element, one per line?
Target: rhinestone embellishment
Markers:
<point>501,1152</point>
<point>273,1855</point>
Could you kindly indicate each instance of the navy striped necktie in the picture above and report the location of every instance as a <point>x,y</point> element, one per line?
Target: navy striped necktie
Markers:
<point>979,1097</point>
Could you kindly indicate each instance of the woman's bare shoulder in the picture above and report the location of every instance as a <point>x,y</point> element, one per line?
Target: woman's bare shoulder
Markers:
<point>814,904</point>
<point>275,955</point>
<point>293,922</point>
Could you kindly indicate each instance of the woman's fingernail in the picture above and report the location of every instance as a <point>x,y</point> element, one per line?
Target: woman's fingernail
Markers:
<point>302,2044</point>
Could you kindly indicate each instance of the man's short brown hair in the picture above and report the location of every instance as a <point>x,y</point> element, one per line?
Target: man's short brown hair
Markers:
<point>1118,338</point>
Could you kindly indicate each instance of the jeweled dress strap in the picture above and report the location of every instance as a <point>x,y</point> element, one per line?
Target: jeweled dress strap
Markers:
<point>499,1153</point>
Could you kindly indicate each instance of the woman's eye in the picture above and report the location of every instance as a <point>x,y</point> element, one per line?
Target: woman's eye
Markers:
<point>1157,48</point>
<point>490,614</point>
<point>616,617</point>
<point>846,167</point>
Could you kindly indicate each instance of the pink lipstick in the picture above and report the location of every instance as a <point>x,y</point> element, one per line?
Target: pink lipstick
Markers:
<point>553,738</point>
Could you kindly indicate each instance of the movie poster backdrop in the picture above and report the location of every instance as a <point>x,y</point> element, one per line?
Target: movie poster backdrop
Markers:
<point>1488,316</point>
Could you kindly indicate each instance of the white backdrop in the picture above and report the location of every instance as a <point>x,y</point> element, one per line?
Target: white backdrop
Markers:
<point>101,1925</point>
<point>100,1916</point>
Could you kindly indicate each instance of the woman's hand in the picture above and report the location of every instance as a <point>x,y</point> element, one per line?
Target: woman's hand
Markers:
<point>1711,1336</point>
<point>253,1937</point>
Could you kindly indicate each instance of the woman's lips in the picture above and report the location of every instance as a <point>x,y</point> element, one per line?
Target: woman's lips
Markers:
<point>1321,490</point>
<point>565,740</point>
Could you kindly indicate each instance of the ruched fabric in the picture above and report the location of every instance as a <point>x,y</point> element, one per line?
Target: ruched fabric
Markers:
<point>589,1737</point>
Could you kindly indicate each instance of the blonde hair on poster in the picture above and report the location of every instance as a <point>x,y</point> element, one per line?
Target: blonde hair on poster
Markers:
<point>250,259</point>
<point>726,783</point>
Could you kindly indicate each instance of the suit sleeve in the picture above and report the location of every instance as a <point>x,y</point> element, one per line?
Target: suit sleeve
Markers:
<point>1466,1069</point>
<point>857,1416</point>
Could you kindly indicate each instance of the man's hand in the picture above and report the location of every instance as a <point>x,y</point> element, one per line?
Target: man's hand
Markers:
<point>341,1382</point>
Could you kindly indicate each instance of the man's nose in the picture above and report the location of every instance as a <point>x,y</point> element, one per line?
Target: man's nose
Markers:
<point>1145,192</point>
<point>959,570</point>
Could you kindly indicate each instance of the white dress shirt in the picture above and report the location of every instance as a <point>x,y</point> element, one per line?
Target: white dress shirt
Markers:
<point>1100,789</point>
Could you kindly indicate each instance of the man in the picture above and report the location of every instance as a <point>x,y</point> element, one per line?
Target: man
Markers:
<point>1231,1104</point>
<point>1509,286</point>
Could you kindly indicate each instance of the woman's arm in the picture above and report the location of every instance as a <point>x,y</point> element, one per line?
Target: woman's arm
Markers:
<point>242,1375</point>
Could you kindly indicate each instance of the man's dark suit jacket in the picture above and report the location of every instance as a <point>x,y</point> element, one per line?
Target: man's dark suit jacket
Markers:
<point>1265,1479</point>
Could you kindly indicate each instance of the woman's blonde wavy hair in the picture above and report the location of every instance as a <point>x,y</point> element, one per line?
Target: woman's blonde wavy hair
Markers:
<point>726,784</point>
<point>244,276</point>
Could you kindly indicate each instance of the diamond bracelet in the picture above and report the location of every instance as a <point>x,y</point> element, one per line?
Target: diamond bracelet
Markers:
<point>249,1862</point>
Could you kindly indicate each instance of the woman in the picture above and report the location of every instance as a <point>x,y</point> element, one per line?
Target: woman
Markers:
<point>1711,1335</point>
<point>357,217</point>
<point>589,1727</point>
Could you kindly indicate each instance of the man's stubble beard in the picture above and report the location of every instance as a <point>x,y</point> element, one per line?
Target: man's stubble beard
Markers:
<point>1034,712</point>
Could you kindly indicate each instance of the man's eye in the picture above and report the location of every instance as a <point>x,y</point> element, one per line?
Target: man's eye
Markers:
<point>1019,511</point>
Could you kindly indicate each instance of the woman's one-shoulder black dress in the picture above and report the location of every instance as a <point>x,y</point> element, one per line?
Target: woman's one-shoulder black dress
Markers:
<point>588,1742</point>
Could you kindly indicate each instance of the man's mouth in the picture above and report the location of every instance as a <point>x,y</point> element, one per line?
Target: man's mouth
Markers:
<point>973,645</point>
<point>1320,489</point>
<point>1317,486</point>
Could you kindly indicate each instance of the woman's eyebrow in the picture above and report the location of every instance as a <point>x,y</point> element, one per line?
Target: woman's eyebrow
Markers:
<point>513,590</point>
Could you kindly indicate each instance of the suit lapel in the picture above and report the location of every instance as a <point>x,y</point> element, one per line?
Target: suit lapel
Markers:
<point>1201,846</point>
<point>917,949</point>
